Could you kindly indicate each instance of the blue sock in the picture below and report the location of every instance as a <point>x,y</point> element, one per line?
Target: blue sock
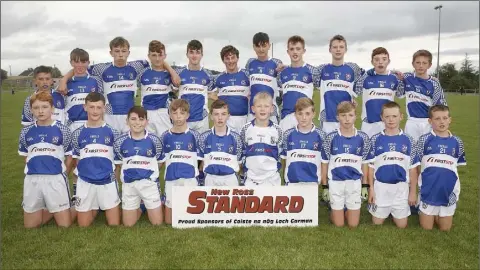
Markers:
<point>143,208</point>
<point>74,189</point>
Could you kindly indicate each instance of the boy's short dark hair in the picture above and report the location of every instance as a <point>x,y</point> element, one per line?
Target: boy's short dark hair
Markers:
<point>42,69</point>
<point>227,50</point>
<point>260,38</point>
<point>296,39</point>
<point>390,105</point>
<point>79,55</point>
<point>194,45</point>
<point>422,53</point>
<point>438,108</point>
<point>380,50</point>
<point>156,46</point>
<point>139,110</point>
<point>179,104</point>
<point>94,97</point>
<point>219,104</point>
<point>119,42</point>
<point>339,38</point>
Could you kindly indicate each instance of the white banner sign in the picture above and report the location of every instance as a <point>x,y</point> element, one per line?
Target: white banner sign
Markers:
<point>196,207</point>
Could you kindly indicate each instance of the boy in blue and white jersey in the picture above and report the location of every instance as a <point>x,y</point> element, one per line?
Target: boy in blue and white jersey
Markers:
<point>156,85</point>
<point>392,172</point>
<point>262,73</point>
<point>46,144</point>
<point>196,87</point>
<point>263,142</point>
<point>440,153</point>
<point>181,153</point>
<point>119,80</point>
<point>42,78</point>
<point>93,149</point>
<point>78,88</point>
<point>137,157</point>
<point>232,86</point>
<point>421,92</point>
<point>337,83</point>
<point>376,90</point>
<point>297,80</point>
<point>222,149</point>
<point>303,147</point>
<point>345,168</point>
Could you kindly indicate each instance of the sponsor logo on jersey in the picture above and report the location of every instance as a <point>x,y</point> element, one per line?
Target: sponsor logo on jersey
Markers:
<point>42,149</point>
<point>294,86</point>
<point>155,89</point>
<point>297,155</point>
<point>226,159</point>
<point>94,151</point>
<point>386,158</point>
<point>122,85</point>
<point>439,161</point>
<point>180,156</point>
<point>341,85</point>
<point>258,79</point>
<point>380,94</point>
<point>138,162</point>
<point>417,98</point>
<point>345,160</point>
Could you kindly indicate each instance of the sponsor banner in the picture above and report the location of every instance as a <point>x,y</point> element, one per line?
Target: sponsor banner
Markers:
<point>266,206</point>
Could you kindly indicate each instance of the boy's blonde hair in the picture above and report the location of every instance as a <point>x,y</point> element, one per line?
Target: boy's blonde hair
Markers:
<point>345,107</point>
<point>179,104</point>
<point>303,103</point>
<point>438,108</point>
<point>262,96</point>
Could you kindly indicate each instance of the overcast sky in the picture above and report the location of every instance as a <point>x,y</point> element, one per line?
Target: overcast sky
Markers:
<point>36,33</point>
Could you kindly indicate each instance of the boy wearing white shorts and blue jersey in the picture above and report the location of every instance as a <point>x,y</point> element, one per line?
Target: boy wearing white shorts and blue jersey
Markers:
<point>233,87</point>
<point>221,148</point>
<point>303,147</point>
<point>440,153</point>
<point>263,142</point>
<point>181,153</point>
<point>137,156</point>
<point>377,89</point>
<point>46,144</point>
<point>345,168</point>
<point>93,149</point>
<point>392,172</point>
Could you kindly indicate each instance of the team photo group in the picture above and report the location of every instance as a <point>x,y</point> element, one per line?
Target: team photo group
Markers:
<point>88,133</point>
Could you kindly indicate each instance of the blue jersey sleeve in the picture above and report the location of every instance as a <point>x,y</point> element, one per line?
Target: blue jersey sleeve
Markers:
<point>414,161</point>
<point>239,144</point>
<point>162,143</point>
<point>461,161</point>
<point>196,136</point>
<point>75,145</point>
<point>280,141</point>
<point>400,90</point>
<point>327,146</point>
<point>117,148</point>
<point>67,140</point>
<point>201,142</point>
<point>316,77</point>
<point>98,69</point>
<point>139,66</point>
<point>27,116</point>
<point>286,136</point>
<point>358,86</point>
<point>357,71</point>
<point>247,66</point>
<point>371,152</point>
<point>99,84</point>
<point>210,85</point>
<point>420,148</point>
<point>22,143</point>
<point>438,95</point>
<point>366,147</point>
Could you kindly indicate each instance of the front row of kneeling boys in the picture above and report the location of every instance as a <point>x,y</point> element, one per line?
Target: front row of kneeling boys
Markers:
<point>384,169</point>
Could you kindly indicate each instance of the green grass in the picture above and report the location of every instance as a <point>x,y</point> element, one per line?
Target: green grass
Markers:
<point>325,246</point>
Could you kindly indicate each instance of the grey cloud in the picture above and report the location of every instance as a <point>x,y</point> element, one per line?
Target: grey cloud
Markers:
<point>458,52</point>
<point>13,23</point>
<point>17,55</point>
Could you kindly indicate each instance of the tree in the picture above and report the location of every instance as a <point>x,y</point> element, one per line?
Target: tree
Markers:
<point>466,69</point>
<point>56,73</point>
<point>447,72</point>
<point>4,75</point>
<point>27,72</point>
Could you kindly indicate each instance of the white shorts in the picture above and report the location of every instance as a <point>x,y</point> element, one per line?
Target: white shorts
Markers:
<point>390,199</point>
<point>274,117</point>
<point>75,125</point>
<point>49,192</point>
<point>237,122</point>
<point>373,128</point>
<point>345,193</point>
<point>158,121</point>
<point>221,180</point>
<point>118,122</point>
<point>302,184</point>
<point>146,190</point>
<point>93,197</point>
<point>192,182</point>
<point>416,127</point>
<point>290,121</point>
<point>200,126</point>
<point>441,211</point>
<point>328,127</point>
<point>272,181</point>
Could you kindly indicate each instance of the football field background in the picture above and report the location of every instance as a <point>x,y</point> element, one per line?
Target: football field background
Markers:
<point>325,246</point>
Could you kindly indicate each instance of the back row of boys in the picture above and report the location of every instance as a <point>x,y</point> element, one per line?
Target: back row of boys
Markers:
<point>261,144</point>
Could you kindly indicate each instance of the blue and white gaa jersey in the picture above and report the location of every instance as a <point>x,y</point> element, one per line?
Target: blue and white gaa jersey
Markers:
<point>336,85</point>
<point>263,146</point>
<point>181,153</point>
<point>155,87</point>
<point>77,90</point>
<point>392,157</point>
<point>58,113</point>
<point>439,159</point>
<point>263,77</point>
<point>93,147</point>
<point>346,155</point>
<point>119,84</point>
<point>45,148</point>
<point>139,158</point>
<point>421,94</point>
<point>194,87</point>
<point>221,154</point>
<point>376,90</point>
<point>234,88</point>
<point>297,82</point>
<point>303,153</point>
